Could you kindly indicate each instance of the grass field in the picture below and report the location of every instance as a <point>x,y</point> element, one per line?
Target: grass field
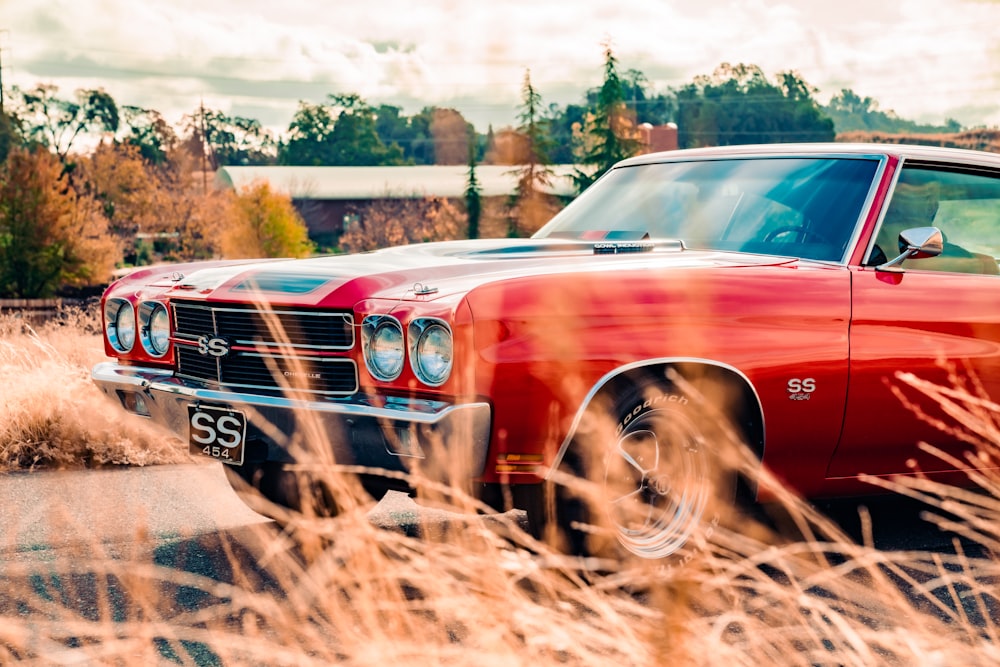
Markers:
<point>476,591</point>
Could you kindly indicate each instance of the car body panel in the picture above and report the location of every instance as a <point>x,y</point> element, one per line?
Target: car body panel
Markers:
<point>540,324</point>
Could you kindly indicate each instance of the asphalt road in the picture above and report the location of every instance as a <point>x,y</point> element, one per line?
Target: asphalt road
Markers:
<point>46,511</point>
<point>186,517</point>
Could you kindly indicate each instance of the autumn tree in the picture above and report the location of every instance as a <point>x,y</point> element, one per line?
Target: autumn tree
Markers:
<point>452,136</point>
<point>190,217</point>
<point>49,235</point>
<point>266,225</point>
<point>610,130</point>
<point>118,177</point>
<point>57,123</point>
<point>391,222</point>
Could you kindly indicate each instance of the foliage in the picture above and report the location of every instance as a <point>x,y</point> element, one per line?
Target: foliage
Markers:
<point>123,182</point>
<point>609,131</point>
<point>528,203</point>
<point>9,135</point>
<point>341,132</point>
<point>852,113</point>
<point>49,236</point>
<point>149,132</point>
<point>267,225</point>
<point>473,197</point>
<point>57,123</point>
<point>739,105</point>
<point>230,140</point>
<point>391,222</point>
<point>452,136</point>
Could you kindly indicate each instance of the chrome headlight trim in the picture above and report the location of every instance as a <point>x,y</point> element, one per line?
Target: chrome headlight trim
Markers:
<point>431,350</point>
<point>383,347</point>
<point>119,323</point>
<point>154,328</point>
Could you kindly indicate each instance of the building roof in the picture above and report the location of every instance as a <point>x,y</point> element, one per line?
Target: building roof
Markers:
<point>386,182</point>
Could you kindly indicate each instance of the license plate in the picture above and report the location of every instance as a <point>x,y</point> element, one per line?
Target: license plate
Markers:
<point>218,433</point>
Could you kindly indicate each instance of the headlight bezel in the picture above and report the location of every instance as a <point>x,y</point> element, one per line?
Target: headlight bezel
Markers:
<point>152,333</point>
<point>374,332</point>
<point>419,334</point>
<point>122,338</point>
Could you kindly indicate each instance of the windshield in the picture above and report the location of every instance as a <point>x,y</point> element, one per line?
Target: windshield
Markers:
<point>793,207</point>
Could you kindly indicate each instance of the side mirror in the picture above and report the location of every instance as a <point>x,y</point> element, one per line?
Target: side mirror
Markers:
<point>915,243</point>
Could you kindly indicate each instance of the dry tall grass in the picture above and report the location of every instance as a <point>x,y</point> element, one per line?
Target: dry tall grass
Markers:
<point>477,590</point>
<point>51,414</point>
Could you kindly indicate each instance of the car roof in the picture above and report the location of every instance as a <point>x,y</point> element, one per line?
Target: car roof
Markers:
<point>902,151</point>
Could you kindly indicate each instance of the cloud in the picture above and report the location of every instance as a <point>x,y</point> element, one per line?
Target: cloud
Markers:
<point>926,59</point>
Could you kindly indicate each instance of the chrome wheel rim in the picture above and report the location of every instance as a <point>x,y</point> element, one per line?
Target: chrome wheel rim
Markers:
<point>656,484</point>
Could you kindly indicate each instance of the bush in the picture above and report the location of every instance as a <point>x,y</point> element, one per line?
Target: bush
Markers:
<point>49,235</point>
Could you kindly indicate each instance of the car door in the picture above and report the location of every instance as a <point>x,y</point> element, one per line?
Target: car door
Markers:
<point>936,322</point>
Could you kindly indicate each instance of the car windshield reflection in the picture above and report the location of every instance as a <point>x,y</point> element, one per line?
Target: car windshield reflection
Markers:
<point>793,207</point>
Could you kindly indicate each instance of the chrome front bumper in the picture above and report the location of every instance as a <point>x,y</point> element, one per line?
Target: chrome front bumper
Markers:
<point>442,441</point>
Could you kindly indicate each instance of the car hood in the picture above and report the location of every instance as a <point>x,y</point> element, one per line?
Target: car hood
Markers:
<point>419,272</point>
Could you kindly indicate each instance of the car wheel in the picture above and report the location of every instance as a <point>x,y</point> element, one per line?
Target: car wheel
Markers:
<point>643,478</point>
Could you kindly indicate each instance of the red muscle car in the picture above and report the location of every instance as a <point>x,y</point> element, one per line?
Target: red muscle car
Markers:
<point>772,290</point>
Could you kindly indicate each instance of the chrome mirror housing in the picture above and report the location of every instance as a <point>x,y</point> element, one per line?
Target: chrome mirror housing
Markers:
<point>915,243</point>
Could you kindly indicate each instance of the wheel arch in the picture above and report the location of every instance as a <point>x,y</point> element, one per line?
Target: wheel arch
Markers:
<point>750,417</point>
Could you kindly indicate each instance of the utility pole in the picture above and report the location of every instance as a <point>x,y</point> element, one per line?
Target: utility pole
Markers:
<point>204,149</point>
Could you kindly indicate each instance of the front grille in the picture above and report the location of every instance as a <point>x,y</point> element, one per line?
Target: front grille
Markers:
<point>247,325</point>
<point>282,348</point>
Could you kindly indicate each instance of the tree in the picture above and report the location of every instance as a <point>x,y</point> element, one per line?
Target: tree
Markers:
<point>268,226</point>
<point>473,197</point>
<point>452,136</point>
<point>149,133</point>
<point>529,205</point>
<point>9,136</point>
<point>391,222</point>
<point>852,113</point>
<point>49,236</point>
<point>57,124</point>
<point>609,130</point>
<point>341,132</point>
<point>739,105</point>
<point>395,130</point>
<point>229,140</point>
<point>308,136</point>
<point>354,138</point>
<point>127,188</point>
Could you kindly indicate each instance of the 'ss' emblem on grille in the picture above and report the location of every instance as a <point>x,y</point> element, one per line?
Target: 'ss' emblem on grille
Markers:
<point>213,346</point>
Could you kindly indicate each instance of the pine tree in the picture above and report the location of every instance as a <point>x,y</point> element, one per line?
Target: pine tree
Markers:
<point>535,176</point>
<point>610,129</point>
<point>473,196</point>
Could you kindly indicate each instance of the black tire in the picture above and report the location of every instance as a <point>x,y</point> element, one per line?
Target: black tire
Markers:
<point>643,478</point>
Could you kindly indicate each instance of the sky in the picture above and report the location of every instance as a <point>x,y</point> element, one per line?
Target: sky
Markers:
<point>927,60</point>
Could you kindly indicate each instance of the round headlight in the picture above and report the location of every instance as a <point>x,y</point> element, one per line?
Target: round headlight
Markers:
<point>120,318</point>
<point>384,353</point>
<point>154,328</point>
<point>432,354</point>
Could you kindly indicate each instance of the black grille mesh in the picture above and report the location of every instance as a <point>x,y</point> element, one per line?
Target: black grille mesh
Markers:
<point>285,342</point>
